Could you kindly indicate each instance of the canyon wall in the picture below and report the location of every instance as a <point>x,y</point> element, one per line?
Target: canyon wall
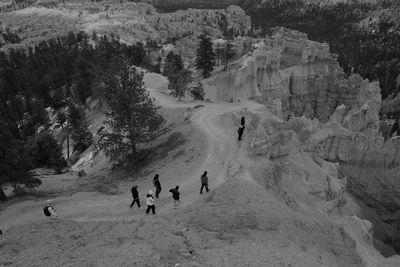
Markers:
<point>290,74</point>
<point>336,122</point>
<point>130,22</point>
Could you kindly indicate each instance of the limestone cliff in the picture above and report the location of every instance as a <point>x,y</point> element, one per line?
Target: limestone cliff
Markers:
<point>342,146</point>
<point>288,73</point>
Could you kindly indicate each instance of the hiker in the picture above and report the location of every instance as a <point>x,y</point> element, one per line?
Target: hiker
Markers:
<point>242,121</point>
<point>49,210</point>
<point>157,184</point>
<point>204,182</point>
<point>240,132</point>
<point>395,128</point>
<point>135,196</point>
<point>175,196</point>
<point>150,203</point>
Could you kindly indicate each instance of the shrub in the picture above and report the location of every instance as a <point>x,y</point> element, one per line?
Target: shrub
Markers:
<point>198,92</point>
<point>43,150</point>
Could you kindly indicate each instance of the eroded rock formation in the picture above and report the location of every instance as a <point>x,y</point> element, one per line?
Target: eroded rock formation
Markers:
<point>288,73</point>
<point>333,144</point>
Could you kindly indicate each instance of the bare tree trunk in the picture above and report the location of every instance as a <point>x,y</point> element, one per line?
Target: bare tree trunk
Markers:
<point>3,196</point>
<point>67,144</point>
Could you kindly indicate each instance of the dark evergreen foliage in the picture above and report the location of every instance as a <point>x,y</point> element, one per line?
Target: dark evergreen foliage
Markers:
<point>44,150</point>
<point>205,56</point>
<point>60,72</point>
<point>14,163</point>
<point>132,118</point>
<point>178,77</point>
<point>228,53</point>
<point>82,137</point>
<point>198,92</point>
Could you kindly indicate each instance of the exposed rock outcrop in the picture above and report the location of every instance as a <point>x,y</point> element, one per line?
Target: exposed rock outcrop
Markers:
<point>131,22</point>
<point>288,68</point>
<point>342,147</point>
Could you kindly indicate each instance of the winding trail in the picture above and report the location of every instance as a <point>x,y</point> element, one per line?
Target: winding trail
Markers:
<point>92,206</point>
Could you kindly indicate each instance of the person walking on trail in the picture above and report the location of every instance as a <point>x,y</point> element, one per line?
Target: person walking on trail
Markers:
<point>48,210</point>
<point>204,182</point>
<point>135,196</point>
<point>150,203</point>
<point>242,121</point>
<point>240,132</point>
<point>175,196</point>
<point>157,185</point>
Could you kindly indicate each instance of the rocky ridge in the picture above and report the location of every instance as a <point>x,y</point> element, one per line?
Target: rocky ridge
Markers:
<point>288,73</point>
<point>337,120</point>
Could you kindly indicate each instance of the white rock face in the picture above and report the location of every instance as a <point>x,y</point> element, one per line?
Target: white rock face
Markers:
<point>287,73</point>
<point>300,73</point>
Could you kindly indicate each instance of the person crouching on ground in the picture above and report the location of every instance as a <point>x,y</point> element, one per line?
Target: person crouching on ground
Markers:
<point>150,203</point>
<point>135,196</point>
<point>49,211</point>
<point>175,196</point>
<point>157,185</point>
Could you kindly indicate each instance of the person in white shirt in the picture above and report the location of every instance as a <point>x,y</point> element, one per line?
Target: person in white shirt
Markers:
<point>150,203</point>
<point>49,211</point>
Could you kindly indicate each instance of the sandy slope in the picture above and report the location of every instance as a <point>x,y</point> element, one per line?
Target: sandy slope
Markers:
<point>238,223</point>
<point>94,207</point>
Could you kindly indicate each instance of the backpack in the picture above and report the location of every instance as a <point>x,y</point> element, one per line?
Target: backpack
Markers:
<point>46,211</point>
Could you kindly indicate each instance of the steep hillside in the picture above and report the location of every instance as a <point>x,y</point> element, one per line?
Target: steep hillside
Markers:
<point>294,76</point>
<point>267,193</point>
<point>312,183</point>
<point>282,191</point>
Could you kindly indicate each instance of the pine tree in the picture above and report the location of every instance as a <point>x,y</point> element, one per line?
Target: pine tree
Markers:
<point>132,116</point>
<point>205,55</point>
<point>173,64</point>
<point>83,78</point>
<point>14,163</point>
<point>178,77</point>
<point>228,53</point>
<point>219,52</point>
<point>44,150</point>
<point>82,137</point>
<point>181,80</point>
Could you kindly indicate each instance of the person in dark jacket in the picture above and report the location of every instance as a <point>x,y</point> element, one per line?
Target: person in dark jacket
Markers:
<point>49,210</point>
<point>157,185</point>
<point>240,132</point>
<point>135,196</point>
<point>204,182</point>
<point>242,121</point>
<point>150,203</point>
<point>395,128</point>
<point>175,196</point>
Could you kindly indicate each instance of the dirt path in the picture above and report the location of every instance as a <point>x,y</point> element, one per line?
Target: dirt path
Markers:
<point>92,206</point>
